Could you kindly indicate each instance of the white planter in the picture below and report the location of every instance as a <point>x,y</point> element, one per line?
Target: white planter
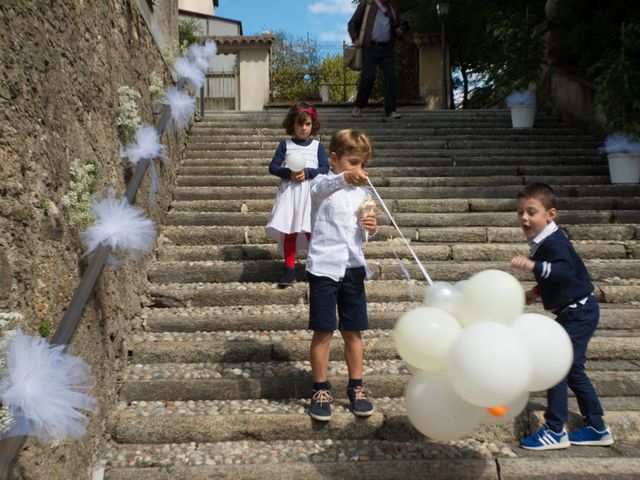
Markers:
<point>522,116</point>
<point>624,167</point>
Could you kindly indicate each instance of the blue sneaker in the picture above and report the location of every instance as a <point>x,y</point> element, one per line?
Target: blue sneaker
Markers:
<point>587,435</point>
<point>361,406</point>
<point>546,439</point>
<point>320,408</point>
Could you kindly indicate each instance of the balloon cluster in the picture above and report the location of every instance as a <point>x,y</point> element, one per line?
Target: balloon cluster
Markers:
<point>475,355</point>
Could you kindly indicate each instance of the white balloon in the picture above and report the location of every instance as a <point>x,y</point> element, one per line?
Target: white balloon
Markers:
<point>295,161</point>
<point>513,410</point>
<point>424,335</point>
<point>548,345</point>
<point>435,410</point>
<point>489,365</point>
<point>490,296</point>
<point>441,295</point>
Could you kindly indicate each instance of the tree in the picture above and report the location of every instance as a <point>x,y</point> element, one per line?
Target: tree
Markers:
<point>342,82</point>
<point>294,64</point>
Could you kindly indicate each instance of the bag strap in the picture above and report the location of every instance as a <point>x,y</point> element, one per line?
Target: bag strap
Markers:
<point>365,18</point>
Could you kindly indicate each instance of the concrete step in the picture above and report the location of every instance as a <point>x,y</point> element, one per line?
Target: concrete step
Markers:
<point>379,291</point>
<point>450,159</point>
<point>449,219</point>
<point>395,192</point>
<point>290,317</point>
<point>445,205</point>
<point>418,171</point>
<point>380,249</point>
<point>276,380</point>
<point>564,150</point>
<point>293,345</point>
<point>238,235</point>
<point>381,268</point>
<point>168,425</point>
<point>359,466</point>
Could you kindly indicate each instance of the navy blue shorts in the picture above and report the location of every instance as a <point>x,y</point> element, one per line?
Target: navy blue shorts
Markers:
<point>348,295</point>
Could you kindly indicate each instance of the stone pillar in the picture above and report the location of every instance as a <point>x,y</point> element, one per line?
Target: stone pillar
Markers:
<point>254,78</point>
<point>430,69</point>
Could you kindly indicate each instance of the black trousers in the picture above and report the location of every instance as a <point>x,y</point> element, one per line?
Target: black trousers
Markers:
<point>371,58</point>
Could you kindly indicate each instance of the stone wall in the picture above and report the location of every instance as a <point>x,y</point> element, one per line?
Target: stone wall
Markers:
<point>62,63</point>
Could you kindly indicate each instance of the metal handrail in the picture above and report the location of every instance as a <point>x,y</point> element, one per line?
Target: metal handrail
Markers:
<point>10,447</point>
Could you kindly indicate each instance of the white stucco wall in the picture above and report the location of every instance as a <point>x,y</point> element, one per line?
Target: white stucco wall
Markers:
<point>254,78</point>
<point>197,6</point>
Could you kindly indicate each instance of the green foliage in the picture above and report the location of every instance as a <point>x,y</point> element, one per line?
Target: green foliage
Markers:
<point>45,328</point>
<point>156,87</point>
<point>188,31</point>
<point>78,201</point>
<point>331,72</point>
<point>618,82</point>
<point>294,64</point>
<point>127,117</point>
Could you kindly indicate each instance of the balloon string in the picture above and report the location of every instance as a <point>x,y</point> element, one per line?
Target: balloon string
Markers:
<point>386,210</point>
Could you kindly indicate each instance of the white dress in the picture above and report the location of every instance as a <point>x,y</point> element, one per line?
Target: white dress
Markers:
<point>292,208</point>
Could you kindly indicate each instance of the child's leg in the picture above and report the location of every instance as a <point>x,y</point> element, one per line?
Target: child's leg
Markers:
<point>581,323</point>
<point>353,353</point>
<point>289,248</point>
<point>319,355</point>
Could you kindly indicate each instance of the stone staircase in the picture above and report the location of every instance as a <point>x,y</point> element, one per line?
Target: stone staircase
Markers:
<point>219,381</point>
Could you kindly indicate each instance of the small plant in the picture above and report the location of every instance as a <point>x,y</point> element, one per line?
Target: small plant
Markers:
<point>127,118</point>
<point>188,31</point>
<point>45,328</point>
<point>84,181</point>
<point>156,87</point>
<point>618,82</point>
<point>44,206</point>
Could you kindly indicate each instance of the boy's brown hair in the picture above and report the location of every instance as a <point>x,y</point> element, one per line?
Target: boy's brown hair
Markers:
<point>349,141</point>
<point>540,191</point>
<point>298,114</point>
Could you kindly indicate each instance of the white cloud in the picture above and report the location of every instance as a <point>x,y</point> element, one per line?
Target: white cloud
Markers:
<point>334,36</point>
<point>339,7</point>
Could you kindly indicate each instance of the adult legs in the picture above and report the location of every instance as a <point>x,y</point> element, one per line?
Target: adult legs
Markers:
<point>367,77</point>
<point>388,67</point>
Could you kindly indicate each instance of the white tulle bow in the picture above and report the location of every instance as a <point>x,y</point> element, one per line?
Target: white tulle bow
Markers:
<point>620,143</point>
<point>202,54</point>
<point>121,226</point>
<point>184,68</point>
<point>45,389</point>
<point>521,97</point>
<point>183,108</point>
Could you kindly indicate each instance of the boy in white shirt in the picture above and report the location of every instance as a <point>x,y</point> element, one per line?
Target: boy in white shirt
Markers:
<point>336,269</point>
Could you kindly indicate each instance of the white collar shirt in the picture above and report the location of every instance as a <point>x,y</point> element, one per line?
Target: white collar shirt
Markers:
<point>336,231</point>
<point>538,239</point>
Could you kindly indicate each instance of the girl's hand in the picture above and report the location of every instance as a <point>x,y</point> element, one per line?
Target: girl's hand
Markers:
<point>523,263</point>
<point>370,223</point>
<point>356,177</point>
<point>297,176</point>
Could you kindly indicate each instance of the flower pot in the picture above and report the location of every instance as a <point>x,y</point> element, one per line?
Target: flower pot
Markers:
<point>624,167</point>
<point>522,116</point>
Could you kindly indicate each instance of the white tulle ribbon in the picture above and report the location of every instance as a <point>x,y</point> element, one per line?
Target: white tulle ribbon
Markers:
<point>390,217</point>
<point>147,146</point>
<point>45,389</point>
<point>202,54</point>
<point>183,108</point>
<point>121,226</point>
<point>188,70</point>
<point>521,97</point>
<point>620,143</point>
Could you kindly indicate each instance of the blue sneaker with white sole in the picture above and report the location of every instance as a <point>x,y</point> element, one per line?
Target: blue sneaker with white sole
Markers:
<point>546,439</point>
<point>587,435</point>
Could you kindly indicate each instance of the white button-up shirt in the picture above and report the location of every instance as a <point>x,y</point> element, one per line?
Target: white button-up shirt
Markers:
<point>336,231</point>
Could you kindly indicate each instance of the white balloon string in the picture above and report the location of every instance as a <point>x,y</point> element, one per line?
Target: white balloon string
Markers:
<point>388,213</point>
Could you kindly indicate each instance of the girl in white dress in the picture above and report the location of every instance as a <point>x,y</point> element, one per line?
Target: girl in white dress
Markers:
<point>291,213</point>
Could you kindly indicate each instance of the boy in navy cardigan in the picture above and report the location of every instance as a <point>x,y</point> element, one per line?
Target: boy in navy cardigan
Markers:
<point>566,290</point>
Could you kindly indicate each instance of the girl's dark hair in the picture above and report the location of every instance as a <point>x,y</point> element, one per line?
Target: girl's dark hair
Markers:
<point>540,191</point>
<point>298,114</point>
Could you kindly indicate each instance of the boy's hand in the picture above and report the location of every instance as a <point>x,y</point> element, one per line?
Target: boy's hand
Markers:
<point>530,296</point>
<point>356,177</point>
<point>370,223</point>
<point>523,263</point>
<point>297,176</point>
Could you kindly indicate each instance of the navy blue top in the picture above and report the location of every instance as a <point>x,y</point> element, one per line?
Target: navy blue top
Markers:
<point>561,275</point>
<point>276,168</point>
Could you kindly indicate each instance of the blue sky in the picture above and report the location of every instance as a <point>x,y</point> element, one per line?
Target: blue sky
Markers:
<point>323,20</point>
